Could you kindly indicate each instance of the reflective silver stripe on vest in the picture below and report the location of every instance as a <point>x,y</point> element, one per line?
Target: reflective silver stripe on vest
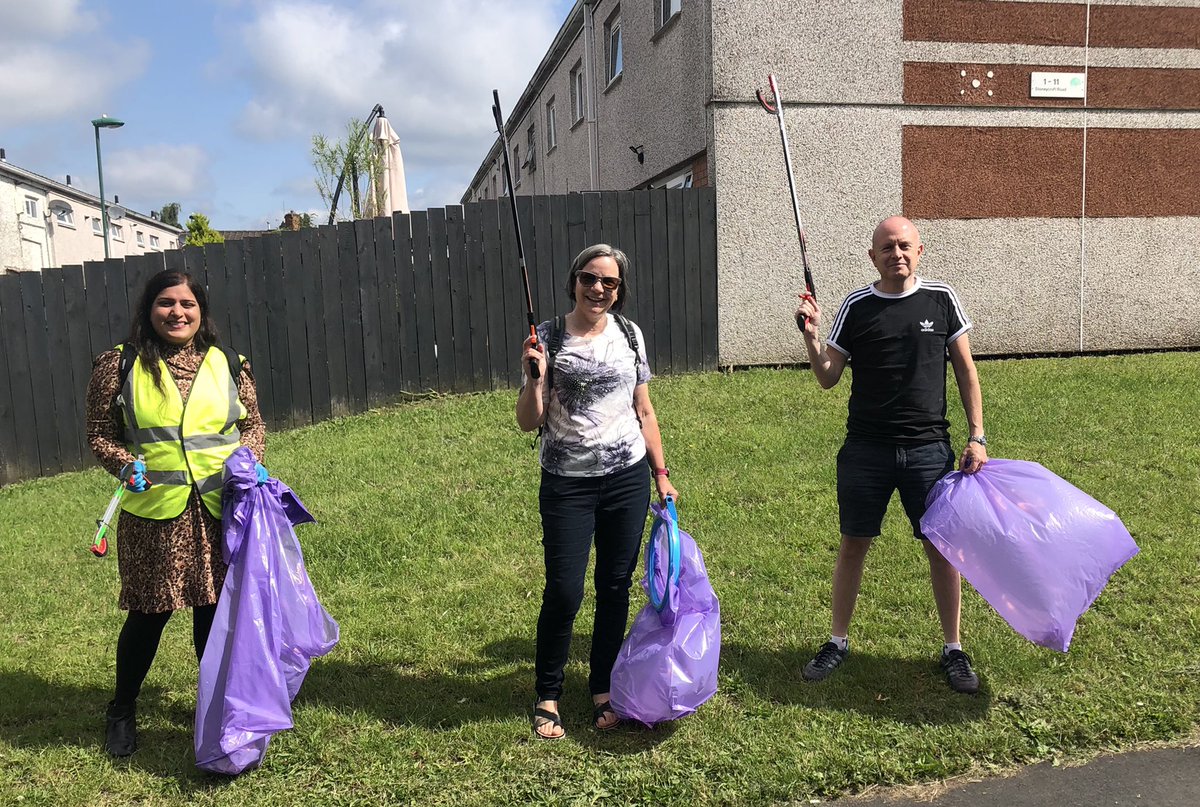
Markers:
<point>210,483</point>
<point>202,441</point>
<point>167,477</point>
<point>157,434</point>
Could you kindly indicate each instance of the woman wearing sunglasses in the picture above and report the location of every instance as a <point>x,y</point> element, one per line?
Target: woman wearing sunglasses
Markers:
<point>600,442</point>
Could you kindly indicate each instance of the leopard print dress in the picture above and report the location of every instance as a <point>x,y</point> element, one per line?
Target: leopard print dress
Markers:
<point>173,564</point>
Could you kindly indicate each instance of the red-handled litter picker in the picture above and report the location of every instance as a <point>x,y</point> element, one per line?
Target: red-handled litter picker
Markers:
<point>512,200</point>
<point>105,523</point>
<point>776,109</point>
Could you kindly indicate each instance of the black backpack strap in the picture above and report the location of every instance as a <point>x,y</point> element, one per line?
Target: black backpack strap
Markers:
<point>558,329</point>
<point>235,362</point>
<point>128,357</point>
<point>630,336</point>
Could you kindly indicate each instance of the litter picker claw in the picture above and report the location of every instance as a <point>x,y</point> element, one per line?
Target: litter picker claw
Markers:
<point>512,200</point>
<point>775,107</point>
<point>104,523</point>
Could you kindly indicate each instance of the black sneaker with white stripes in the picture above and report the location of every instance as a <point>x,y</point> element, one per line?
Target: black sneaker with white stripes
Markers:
<point>957,666</point>
<point>828,659</point>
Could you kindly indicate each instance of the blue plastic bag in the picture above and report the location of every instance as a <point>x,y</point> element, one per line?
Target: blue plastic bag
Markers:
<point>267,627</point>
<point>667,666</point>
<point>1035,547</point>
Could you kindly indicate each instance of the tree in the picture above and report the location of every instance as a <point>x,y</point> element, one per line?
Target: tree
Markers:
<point>354,158</point>
<point>169,214</point>
<point>200,232</point>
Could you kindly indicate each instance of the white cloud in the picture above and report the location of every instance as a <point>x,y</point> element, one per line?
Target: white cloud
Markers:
<point>49,53</point>
<point>157,172</point>
<point>53,19</point>
<point>432,66</point>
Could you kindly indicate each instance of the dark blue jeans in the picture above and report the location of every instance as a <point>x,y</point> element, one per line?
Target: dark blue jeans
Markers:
<point>574,509</point>
<point>869,472</point>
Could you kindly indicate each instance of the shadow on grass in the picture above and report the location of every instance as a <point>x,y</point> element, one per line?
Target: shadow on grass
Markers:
<point>907,690</point>
<point>37,714</point>
<point>497,687</point>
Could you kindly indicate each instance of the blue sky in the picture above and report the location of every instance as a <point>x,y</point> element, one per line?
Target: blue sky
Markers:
<point>221,97</point>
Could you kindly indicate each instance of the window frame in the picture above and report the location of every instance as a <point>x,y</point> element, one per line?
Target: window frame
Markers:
<point>31,206</point>
<point>116,232</point>
<point>551,128</point>
<point>140,238</point>
<point>531,148</point>
<point>612,30</point>
<point>154,243</point>
<point>667,11</point>
<point>578,94</point>
<point>64,218</point>
<point>97,225</point>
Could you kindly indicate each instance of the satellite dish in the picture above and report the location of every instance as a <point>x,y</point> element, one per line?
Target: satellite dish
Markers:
<point>59,206</point>
<point>116,212</point>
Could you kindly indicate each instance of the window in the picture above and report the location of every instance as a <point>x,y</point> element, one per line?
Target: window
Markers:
<point>551,136</point>
<point>530,148</point>
<point>516,167</point>
<point>494,195</point>
<point>612,35</point>
<point>141,238</point>
<point>154,242</point>
<point>681,180</point>
<point>31,206</point>
<point>96,227</point>
<point>667,10</point>
<point>577,97</point>
<point>116,232</point>
<point>64,216</point>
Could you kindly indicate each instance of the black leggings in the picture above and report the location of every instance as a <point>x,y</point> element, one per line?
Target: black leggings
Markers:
<point>138,643</point>
<point>574,509</point>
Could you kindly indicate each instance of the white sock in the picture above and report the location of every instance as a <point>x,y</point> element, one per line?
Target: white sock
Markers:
<point>842,642</point>
<point>948,646</point>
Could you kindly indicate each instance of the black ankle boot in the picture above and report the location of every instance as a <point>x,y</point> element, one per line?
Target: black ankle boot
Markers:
<point>120,729</point>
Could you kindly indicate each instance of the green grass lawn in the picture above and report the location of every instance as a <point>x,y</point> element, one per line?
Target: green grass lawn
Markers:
<point>428,554</point>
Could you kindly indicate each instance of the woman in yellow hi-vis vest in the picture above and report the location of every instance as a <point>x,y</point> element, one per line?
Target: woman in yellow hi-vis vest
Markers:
<point>174,396</point>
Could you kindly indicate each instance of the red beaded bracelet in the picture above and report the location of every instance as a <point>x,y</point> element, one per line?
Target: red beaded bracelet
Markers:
<point>662,472</point>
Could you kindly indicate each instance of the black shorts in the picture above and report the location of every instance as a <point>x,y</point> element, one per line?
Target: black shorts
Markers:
<point>868,472</point>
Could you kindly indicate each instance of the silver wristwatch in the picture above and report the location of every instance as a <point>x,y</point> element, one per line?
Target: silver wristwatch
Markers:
<point>980,439</point>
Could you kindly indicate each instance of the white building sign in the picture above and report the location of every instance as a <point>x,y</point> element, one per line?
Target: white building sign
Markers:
<point>1058,85</point>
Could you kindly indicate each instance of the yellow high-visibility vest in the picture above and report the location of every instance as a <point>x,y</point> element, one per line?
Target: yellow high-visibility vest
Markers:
<point>185,445</point>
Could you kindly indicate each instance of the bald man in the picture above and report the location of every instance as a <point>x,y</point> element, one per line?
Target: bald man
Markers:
<point>898,332</point>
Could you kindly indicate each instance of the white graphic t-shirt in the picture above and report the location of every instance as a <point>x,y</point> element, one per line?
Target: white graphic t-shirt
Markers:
<point>591,428</point>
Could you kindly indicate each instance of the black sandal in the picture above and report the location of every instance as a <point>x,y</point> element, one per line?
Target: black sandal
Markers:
<point>599,711</point>
<point>549,719</point>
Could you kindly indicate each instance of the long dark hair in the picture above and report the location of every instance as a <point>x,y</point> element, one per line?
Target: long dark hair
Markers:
<point>590,254</point>
<point>145,339</point>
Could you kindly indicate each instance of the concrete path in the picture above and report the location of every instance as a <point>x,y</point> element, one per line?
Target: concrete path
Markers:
<point>1161,777</point>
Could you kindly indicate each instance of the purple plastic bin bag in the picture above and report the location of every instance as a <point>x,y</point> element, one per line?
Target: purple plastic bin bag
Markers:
<point>1037,548</point>
<point>267,628</point>
<point>668,664</point>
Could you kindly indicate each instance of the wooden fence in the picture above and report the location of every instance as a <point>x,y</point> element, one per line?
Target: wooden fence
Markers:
<point>340,319</point>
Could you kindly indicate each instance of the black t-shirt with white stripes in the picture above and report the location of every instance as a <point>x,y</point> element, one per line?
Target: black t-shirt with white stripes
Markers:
<point>897,347</point>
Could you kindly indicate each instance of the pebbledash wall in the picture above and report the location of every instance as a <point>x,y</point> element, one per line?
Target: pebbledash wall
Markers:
<point>1063,227</point>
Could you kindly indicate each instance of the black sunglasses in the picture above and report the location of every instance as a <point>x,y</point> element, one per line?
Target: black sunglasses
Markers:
<point>588,280</point>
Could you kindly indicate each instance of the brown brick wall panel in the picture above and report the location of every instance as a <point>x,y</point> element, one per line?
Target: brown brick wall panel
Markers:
<point>1144,27</point>
<point>942,84</point>
<point>1063,24</point>
<point>954,172</point>
<point>1143,172</point>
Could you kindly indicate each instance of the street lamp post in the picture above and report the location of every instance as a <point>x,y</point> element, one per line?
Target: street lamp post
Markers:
<point>104,122</point>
